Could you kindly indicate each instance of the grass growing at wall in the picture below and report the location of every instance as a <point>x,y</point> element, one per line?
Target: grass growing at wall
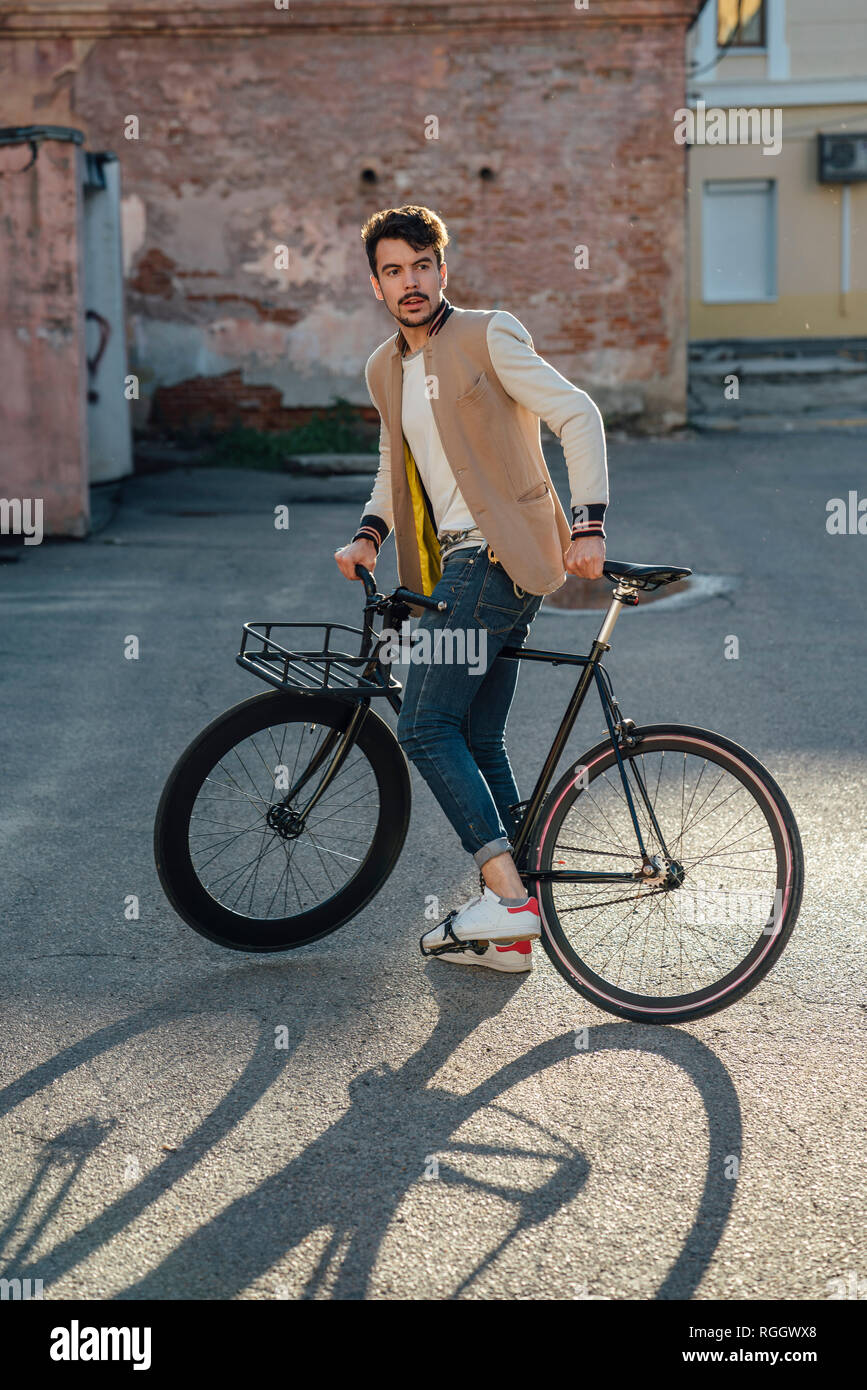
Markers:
<point>338,429</point>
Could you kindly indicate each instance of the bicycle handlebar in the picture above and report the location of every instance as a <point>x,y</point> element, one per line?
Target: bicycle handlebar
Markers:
<point>367,580</point>
<point>400,594</point>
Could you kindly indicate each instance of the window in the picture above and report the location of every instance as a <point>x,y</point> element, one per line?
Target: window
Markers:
<point>739,241</point>
<point>740,23</point>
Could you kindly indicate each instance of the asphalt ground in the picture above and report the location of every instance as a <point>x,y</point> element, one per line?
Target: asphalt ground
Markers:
<point>155,1141</point>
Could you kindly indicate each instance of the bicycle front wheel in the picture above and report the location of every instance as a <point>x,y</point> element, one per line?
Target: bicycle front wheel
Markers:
<point>254,868</point>
<point>714,911</point>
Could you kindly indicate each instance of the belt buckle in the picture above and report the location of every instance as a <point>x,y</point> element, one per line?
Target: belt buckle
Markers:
<point>449,539</point>
<point>519,592</point>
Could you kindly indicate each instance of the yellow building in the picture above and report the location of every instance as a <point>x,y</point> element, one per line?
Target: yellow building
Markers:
<point>775,251</point>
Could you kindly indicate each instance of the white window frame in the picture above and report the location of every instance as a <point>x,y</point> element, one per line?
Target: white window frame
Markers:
<point>774,86</point>
<point>749,48</point>
<point>776,52</point>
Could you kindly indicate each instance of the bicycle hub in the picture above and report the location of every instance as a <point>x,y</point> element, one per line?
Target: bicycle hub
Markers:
<point>659,872</point>
<point>285,821</point>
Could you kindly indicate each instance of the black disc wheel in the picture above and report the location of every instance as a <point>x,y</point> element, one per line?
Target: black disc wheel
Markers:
<point>260,844</point>
<point>705,915</point>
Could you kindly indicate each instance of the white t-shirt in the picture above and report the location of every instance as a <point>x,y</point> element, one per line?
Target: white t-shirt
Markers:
<point>450,510</point>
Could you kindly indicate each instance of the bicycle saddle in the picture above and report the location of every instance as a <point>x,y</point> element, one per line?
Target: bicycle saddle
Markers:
<point>644,576</point>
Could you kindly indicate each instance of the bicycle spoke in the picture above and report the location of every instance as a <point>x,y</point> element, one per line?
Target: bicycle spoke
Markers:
<point>239,794</point>
<point>250,868</point>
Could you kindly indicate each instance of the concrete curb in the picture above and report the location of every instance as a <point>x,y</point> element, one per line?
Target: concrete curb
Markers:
<point>325,465</point>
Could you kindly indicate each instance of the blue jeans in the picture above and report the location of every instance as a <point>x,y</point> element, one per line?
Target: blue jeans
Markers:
<point>452,722</point>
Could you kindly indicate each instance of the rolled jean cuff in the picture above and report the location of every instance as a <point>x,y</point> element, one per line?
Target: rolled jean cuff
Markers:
<point>501,845</point>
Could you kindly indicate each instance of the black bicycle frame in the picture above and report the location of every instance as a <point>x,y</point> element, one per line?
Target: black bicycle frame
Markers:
<point>593,670</point>
<point>395,611</point>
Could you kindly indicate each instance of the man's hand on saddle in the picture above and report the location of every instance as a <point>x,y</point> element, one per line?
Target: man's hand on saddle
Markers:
<point>360,552</point>
<point>585,557</point>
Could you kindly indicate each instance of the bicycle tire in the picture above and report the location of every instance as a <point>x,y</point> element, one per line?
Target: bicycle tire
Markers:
<point>177,874</point>
<point>756,778</point>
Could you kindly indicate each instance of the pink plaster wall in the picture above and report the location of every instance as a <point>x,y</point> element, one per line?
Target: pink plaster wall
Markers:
<point>43,411</point>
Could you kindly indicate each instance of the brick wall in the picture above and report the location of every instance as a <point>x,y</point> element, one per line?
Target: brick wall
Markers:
<point>261,127</point>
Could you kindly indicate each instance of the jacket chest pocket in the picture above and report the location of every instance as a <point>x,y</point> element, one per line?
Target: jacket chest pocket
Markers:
<point>478,389</point>
<point>536,493</point>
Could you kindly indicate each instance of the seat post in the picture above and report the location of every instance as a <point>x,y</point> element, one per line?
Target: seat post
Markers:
<point>624,593</point>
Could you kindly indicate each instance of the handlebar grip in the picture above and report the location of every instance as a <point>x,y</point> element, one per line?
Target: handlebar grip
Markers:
<point>407,596</point>
<point>367,580</point>
<point>404,595</point>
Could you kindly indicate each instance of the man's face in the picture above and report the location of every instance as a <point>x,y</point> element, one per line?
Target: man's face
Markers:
<point>410,282</point>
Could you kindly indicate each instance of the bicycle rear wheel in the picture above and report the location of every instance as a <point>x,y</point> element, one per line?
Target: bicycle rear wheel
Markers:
<point>233,858</point>
<point>716,913</point>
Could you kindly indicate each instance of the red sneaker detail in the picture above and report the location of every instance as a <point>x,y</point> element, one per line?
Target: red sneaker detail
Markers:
<point>530,906</point>
<point>522,947</point>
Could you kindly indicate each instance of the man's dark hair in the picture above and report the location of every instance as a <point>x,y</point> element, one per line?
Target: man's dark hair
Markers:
<point>416,225</point>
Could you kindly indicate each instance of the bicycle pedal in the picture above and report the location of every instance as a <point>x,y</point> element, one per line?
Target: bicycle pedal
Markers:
<point>456,947</point>
<point>452,944</point>
<point>438,950</point>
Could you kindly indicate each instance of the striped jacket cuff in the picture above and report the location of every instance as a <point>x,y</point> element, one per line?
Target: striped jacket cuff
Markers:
<point>589,520</point>
<point>372,528</point>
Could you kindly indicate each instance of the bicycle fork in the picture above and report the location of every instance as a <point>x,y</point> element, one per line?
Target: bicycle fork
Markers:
<point>281,817</point>
<point>290,823</point>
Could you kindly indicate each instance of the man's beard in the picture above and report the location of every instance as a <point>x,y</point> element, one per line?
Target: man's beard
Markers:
<point>417,323</point>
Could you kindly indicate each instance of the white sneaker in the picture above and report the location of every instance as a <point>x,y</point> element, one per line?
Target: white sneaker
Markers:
<point>515,959</point>
<point>485,918</point>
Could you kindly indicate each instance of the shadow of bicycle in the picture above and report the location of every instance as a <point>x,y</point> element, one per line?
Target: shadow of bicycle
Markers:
<point>352,1179</point>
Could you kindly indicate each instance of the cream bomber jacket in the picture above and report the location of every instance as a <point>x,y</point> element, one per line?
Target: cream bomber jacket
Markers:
<point>567,410</point>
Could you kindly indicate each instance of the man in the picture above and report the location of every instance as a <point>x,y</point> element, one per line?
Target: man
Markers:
<point>463,483</point>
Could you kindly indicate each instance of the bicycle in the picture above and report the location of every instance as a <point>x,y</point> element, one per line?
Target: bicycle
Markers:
<point>624,915</point>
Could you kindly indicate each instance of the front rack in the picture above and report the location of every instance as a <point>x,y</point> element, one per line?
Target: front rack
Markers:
<point>314,668</point>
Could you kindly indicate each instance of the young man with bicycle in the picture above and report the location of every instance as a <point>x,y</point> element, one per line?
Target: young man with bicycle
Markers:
<point>677,839</point>
<point>463,483</point>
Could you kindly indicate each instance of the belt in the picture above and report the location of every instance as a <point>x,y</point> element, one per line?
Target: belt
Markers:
<point>452,540</point>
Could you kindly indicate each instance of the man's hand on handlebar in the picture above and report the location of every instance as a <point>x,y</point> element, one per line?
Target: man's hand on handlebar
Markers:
<point>356,555</point>
<point>360,552</point>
